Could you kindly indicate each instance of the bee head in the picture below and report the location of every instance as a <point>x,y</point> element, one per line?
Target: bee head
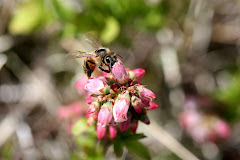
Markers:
<point>110,59</point>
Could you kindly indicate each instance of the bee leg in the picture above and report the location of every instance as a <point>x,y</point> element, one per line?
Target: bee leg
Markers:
<point>104,70</point>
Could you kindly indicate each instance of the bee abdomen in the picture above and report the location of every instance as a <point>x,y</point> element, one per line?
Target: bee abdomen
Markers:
<point>89,66</point>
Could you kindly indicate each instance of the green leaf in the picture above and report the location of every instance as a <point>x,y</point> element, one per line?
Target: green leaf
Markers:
<point>26,19</point>
<point>81,126</point>
<point>111,30</point>
<point>138,149</point>
<point>133,137</point>
<point>118,149</point>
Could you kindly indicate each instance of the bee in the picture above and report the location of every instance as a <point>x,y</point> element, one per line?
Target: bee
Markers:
<point>100,57</point>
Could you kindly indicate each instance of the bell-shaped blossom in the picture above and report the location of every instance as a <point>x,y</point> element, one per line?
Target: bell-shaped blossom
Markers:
<point>80,84</point>
<point>120,108</point>
<point>101,131</point>
<point>97,86</point>
<point>91,118</point>
<point>136,73</point>
<point>145,94</point>
<point>137,104</point>
<point>134,125</point>
<point>89,99</point>
<point>113,131</point>
<point>119,73</point>
<point>152,106</point>
<point>93,107</point>
<point>123,126</point>
<point>105,114</point>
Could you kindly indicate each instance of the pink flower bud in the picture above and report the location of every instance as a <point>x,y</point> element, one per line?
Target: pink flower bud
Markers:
<point>145,94</point>
<point>113,131</point>
<point>93,107</point>
<point>80,83</point>
<point>137,104</point>
<point>119,73</point>
<point>97,86</point>
<point>152,106</point>
<point>100,132</point>
<point>102,79</point>
<point>189,119</point>
<point>92,118</point>
<point>105,114</point>
<point>120,107</point>
<point>222,129</point>
<point>136,73</point>
<point>89,99</point>
<point>134,125</point>
<point>123,126</point>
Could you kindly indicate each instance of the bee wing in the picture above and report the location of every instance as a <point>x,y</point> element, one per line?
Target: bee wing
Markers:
<point>80,54</point>
<point>93,41</point>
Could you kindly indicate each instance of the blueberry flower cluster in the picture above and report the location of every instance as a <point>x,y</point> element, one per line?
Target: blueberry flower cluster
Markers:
<point>118,101</point>
<point>201,126</point>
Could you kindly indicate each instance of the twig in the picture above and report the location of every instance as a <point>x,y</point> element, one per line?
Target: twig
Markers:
<point>154,130</point>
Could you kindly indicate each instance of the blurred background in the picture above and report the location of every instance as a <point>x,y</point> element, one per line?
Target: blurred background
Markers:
<point>189,49</point>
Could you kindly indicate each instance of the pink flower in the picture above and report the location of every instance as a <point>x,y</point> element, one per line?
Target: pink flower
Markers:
<point>89,99</point>
<point>92,118</point>
<point>123,126</point>
<point>134,125</point>
<point>137,104</point>
<point>222,129</point>
<point>152,106</point>
<point>97,86</point>
<point>120,107</point>
<point>100,132</point>
<point>145,94</point>
<point>119,73</point>
<point>190,119</point>
<point>93,107</point>
<point>105,114</point>
<point>80,83</point>
<point>136,73</point>
<point>113,131</point>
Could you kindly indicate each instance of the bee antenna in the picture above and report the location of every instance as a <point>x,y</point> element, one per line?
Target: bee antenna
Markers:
<point>119,56</point>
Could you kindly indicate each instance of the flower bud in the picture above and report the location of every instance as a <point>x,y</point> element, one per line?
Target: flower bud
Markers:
<point>80,83</point>
<point>105,114</point>
<point>91,118</point>
<point>93,107</point>
<point>123,126</point>
<point>89,99</point>
<point>145,94</point>
<point>137,104</point>
<point>134,125</point>
<point>100,132</point>
<point>113,131</point>
<point>120,107</point>
<point>152,106</point>
<point>97,86</point>
<point>119,73</point>
<point>222,129</point>
<point>136,73</point>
